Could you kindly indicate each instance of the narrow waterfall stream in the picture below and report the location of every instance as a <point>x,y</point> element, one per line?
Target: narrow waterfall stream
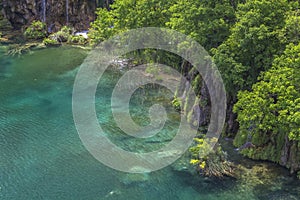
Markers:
<point>44,9</point>
<point>67,12</point>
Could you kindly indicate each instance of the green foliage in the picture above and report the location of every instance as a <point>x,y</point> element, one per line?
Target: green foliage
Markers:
<point>253,43</point>
<point>197,84</point>
<point>291,31</point>
<point>208,161</point>
<point>245,37</point>
<point>66,29</point>
<point>128,14</point>
<point>176,103</point>
<point>272,109</point>
<point>50,42</point>
<point>36,30</point>
<point>206,21</point>
<point>102,28</point>
<point>63,35</point>
<point>18,50</point>
<point>77,39</point>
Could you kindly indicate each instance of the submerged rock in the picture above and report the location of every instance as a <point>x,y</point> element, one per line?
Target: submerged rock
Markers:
<point>182,165</point>
<point>132,179</point>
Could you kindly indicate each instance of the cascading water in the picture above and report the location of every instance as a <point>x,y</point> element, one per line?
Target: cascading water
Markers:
<point>44,10</point>
<point>67,11</point>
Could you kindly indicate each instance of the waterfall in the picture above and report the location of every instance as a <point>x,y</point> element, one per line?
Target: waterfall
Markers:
<point>67,11</point>
<point>44,10</point>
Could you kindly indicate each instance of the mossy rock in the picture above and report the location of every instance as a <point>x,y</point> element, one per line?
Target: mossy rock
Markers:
<point>130,179</point>
<point>77,39</point>
<point>49,42</point>
<point>5,25</point>
<point>63,35</point>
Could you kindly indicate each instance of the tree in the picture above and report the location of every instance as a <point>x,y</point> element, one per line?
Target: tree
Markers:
<point>269,115</point>
<point>206,21</point>
<point>251,47</point>
<point>291,31</point>
<point>129,14</point>
<point>253,43</point>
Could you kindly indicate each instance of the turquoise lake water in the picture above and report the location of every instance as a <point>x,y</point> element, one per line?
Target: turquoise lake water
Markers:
<point>42,157</point>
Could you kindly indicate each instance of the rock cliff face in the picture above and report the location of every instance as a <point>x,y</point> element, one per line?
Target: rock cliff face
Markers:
<point>290,155</point>
<point>56,13</point>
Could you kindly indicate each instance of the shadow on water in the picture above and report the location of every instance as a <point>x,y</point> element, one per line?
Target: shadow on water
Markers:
<point>5,63</point>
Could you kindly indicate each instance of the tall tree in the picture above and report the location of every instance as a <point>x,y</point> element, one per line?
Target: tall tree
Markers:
<point>129,14</point>
<point>206,21</point>
<point>250,48</point>
<point>253,43</point>
<point>269,115</point>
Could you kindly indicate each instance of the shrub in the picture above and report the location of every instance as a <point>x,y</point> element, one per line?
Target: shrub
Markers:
<point>59,36</point>
<point>176,104</point>
<point>50,42</point>
<point>77,39</point>
<point>36,30</point>
<point>66,29</point>
<point>63,35</point>
<point>208,161</point>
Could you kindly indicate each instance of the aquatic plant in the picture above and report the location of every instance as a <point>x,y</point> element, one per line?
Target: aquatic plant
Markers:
<point>36,30</point>
<point>18,50</point>
<point>210,162</point>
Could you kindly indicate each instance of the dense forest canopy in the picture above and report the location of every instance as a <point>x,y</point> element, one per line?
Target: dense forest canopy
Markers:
<point>255,45</point>
<point>270,112</point>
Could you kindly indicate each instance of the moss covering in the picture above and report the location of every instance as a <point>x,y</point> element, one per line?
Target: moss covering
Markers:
<point>208,161</point>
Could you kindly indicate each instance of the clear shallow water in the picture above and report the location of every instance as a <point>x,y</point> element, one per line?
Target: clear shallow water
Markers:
<point>42,157</point>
